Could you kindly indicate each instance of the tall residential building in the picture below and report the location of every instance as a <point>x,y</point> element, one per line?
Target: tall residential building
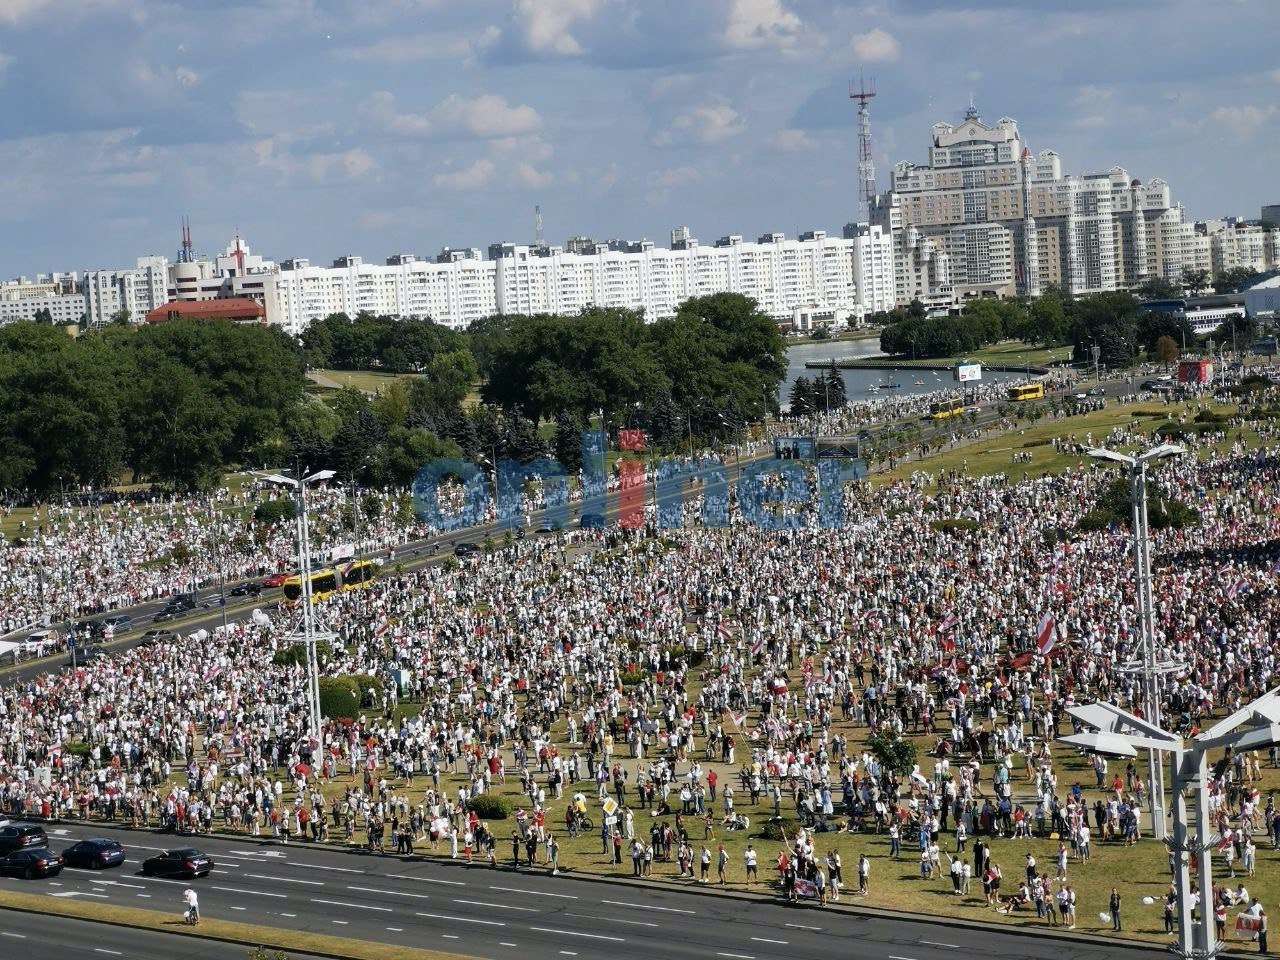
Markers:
<point>138,290</point>
<point>987,217</point>
<point>61,295</point>
<point>851,275</point>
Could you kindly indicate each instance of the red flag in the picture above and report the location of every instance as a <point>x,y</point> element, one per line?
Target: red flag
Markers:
<point>630,439</point>
<point>1046,634</point>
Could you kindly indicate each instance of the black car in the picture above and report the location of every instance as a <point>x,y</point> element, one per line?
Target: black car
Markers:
<point>163,615</point>
<point>152,637</point>
<point>594,521</point>
<point>88,628</point>
<point>184,862</point>
<point>119,623</point>
<point>247,590</point>
<point>465,549</point>
<point>37,862</point>
<point>22,836</point>
<point>82,656</point>
<point>94,854</point>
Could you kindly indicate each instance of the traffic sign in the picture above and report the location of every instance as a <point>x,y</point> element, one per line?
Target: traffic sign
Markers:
<point>610,806</point>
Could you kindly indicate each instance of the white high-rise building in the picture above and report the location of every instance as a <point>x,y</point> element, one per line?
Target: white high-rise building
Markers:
<point>60,296</point>
<point>986,217</point>
<point>138,290</point>
<point>852,275</point>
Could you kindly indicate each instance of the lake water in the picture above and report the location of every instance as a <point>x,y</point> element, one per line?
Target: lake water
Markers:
<point>857,381</point>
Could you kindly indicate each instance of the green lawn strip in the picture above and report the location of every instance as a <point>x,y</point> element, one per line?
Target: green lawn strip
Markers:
<point>249,934</point>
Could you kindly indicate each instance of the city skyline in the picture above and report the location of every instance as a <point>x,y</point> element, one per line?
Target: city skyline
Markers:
<point>321,129</point>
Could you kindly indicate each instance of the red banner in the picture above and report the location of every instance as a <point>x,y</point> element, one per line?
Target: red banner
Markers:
<point>631,496</point>
<point>630,439</point>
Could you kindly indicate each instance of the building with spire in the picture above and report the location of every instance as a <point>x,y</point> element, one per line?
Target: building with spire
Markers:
<point>987,217</point>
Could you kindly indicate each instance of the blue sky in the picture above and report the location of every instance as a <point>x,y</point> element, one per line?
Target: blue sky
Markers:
<point>325,127</point>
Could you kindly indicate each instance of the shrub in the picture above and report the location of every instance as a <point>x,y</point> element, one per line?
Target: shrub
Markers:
<point>273,511</point>
<point>694,658</point>
<point>76,749</point>
<point>954,525</point>
<point>782,830</point>
<point>894,753</point>
<point>1038,442</point>
<point>340,697</point>
<point>490,806</point>
<point>632,677</point>
<point>1096,520</point>
<point>296,654</point>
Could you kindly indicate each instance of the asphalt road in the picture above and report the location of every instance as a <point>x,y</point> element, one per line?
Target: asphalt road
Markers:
<point>69,939</point>
<point>482,912</point>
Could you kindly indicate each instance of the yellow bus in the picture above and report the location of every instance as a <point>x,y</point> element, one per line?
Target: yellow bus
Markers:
<point>941,409</point>
<point>1027,391</point>
<point>357,573</point>
<point>323,583</point>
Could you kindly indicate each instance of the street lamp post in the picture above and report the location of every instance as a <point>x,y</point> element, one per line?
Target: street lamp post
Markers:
<point>1150,669</point>
<point>309,633</point>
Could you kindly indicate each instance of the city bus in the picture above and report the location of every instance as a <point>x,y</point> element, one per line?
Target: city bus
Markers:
<point>1027,391</point>
<point>358,573</point>
<point>941,409</point>
<point>323,583</point>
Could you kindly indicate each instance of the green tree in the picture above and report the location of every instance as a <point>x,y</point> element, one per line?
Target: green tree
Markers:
<point>801,397</point>
<point>1228,281</point>
<point>1167,350</point>
<point>1047,320</point>
<point>1158,288</point>
<point>1196,280</point>
<point>894,753</point>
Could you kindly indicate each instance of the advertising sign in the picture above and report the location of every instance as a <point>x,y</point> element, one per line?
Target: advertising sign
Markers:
<point>967,372</point>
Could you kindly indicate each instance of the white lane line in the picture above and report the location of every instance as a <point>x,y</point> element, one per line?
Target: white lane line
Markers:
<point>121,883</point>
<point>496,906</point>
<point>353,906</point>
<point>310,883</point>
<point>634,923</point>
<point>450,883</point>
<point>568,953</point>
<point>239,908</point>
<point>114,953</point>
<point>316,866</point>
<point>342,923</point>
<point>229,860</point>
<point>737,956</point>
<point>288,915</point>
<point>801,926</point>
<point>645,906</point>
<point>396,929</point>
<point>16,936</point>
<point>145,896</point>
<point>449,936</point>
<point>390,893</point>
<point>505,943</point>
<point>892,957</point>
<point>935,943</point>
<point>767,940</point>
<point>445,916</point>
<point>535,893</point>
<point>252,893</point>
<point>575,933</point>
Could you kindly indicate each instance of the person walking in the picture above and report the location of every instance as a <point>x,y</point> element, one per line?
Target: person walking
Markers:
<point>749,859</point>
<point>704,864</point>
<point>1262,930</point>
<point>722,860</point>
<point>191,911</point>
<point>864,874</point>
<point>1114,906</point>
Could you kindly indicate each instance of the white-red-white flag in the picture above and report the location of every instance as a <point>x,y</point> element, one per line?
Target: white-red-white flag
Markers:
<point>1046,634</point>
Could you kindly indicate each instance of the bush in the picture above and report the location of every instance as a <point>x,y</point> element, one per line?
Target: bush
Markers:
<point>273,511</point>
<point>1208,416</point>
<point>490,806</point>
<point>782,830</point>
<point>1096,520</point>
<point>694,658</point>
<point>296,654</point>
<point>1038,442</point>
<point>340,697</point>
<point>894,753</point>
<point>954,525</point>
<point>632,677</point>
<point>76,749</point>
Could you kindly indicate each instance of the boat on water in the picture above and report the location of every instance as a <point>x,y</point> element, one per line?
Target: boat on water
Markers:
<point>874,388</point>
<point>918,382</point>
<point>892,386</point>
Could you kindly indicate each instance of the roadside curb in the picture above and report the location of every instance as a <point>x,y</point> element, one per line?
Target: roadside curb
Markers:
<point>665,885</point>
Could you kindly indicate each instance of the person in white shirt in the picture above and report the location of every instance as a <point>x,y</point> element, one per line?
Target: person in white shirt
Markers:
<point>192,912</point>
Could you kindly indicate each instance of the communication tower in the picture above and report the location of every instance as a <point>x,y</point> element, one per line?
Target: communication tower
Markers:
<point>866,167</point>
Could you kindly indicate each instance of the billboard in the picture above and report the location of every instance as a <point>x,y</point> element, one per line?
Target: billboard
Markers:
<point>795,448</point>
<point>966,372</point>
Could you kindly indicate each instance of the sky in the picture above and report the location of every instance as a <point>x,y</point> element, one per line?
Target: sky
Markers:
<point>319,128</point>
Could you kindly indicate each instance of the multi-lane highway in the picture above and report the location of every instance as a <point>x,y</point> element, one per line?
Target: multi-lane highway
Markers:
<point>480,911</point>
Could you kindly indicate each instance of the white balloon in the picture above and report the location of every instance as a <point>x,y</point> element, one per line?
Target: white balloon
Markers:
<point>1148,901</point>
<point>1104,917</point>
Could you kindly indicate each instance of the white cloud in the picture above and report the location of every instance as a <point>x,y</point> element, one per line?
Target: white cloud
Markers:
<point>1242,121</point>
<point>673,177</point>
<point>1275,76</point>
<point>487,117</point>
<point>527,175</point>
<point>793,141</point>
<point>16,11</point>
<point>545,25</point>
<point>469,178</point>
<point>760,23</point>
<point>186,77</point>
<point>322,167</point>
<point>706,124</point>
<point>875,46</point>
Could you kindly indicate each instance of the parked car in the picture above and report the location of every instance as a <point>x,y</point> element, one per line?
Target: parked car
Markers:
<point>465,549</point>
<point>37,862</point>
<point>94,854</point>
<point>183,862</point>
<point>22,836</point>
<point>275,580</point>
<point>1096,391</point>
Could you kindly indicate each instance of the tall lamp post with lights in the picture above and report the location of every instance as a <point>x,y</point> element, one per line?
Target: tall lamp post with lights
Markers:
<point>309,635</point>
<point>1148,666</point>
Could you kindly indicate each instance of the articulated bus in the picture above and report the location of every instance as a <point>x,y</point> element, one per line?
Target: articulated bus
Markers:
<point>1028,391</point>
<point>941,409</point>
<point>330,580</point>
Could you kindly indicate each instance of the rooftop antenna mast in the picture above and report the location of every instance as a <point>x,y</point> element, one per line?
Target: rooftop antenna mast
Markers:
<point>866,167</point>
<point>537,226</point>
<point>186,255</point>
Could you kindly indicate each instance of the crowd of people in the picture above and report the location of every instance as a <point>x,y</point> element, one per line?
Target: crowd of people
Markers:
<point>704,679</point>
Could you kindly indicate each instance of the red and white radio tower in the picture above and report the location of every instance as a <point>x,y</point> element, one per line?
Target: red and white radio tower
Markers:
<point>866,167</point>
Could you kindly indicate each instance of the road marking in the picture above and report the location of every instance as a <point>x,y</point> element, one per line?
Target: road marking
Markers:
<point>392,893</point>
<point>892,957</point>
<point>16,936</point>
<point>575,933</point>
<point>802,926</point>
<point>396,929</point>
<point>121,883</point>
<point>252,893</point>
<point>310,883</point>
<point>449,936</point>
<point>239,908</point>
<point>144,895</point>
<point>81,893</point>
<point>535,893</point>
<point>767,940</point>
<point>634,923</point>
<point>737,956</point>
<point>316,866</point>
<point>341,922</point>
<point>451,883</point>
<point>445,916</point>
<point>497,906</point>
<point>568,953</point>
<point>353,906</point>
<point>935,943</point>
<point>645,906</point>
<point>505,943</point>
<point>114,953</point>
<point>288,914</point>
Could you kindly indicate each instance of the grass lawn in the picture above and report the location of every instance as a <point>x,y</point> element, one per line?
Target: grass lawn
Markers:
<point>368,381</point>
